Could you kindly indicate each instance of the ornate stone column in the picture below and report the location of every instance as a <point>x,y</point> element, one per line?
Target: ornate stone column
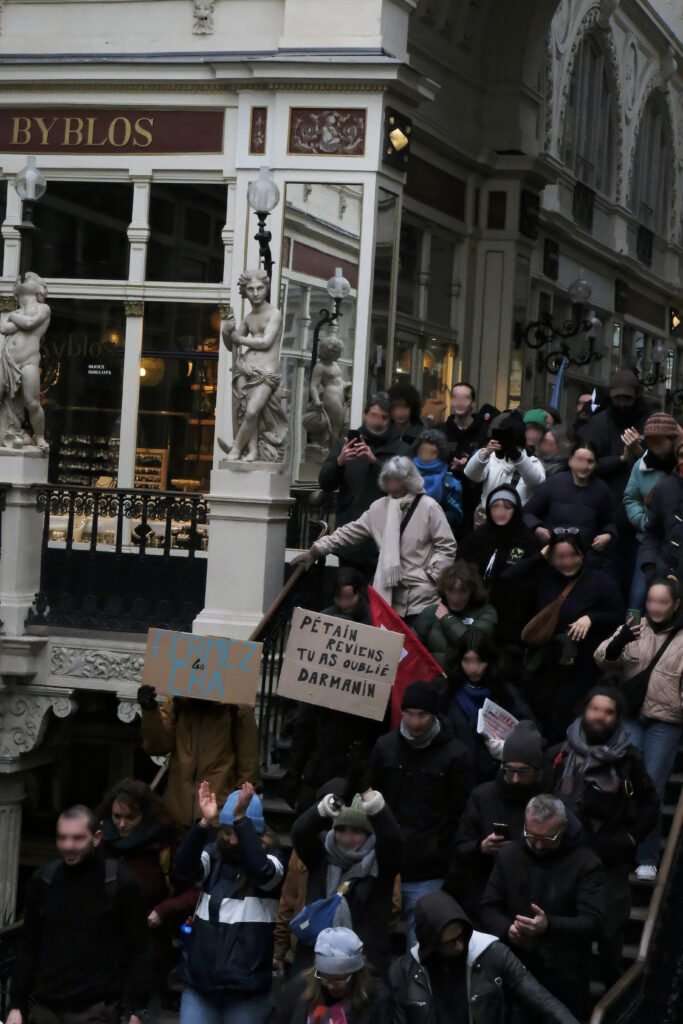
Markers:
<point>11,794</point>
<point>22,527</point>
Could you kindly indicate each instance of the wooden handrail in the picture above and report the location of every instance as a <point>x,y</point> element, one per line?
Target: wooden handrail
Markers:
<point>636,969</point>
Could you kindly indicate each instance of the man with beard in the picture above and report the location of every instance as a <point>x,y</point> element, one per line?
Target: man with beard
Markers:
<point>494,814</point>
<point>226,964</point>
<point>353,465</point>
<point>600,776</point>
<point>84,954</point>
<point>455,975</point>
<point>545,899</point>
<point>615,434</point>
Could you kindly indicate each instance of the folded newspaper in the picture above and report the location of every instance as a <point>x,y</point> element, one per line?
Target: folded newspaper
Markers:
<point>494,722</point>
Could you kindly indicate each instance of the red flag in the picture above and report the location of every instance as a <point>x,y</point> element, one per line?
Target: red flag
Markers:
<point>416,661</point>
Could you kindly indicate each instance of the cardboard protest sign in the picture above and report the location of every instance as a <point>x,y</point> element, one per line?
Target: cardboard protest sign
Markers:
<point>339,664</point>
<point>207,667</point>
<point>495,722</point>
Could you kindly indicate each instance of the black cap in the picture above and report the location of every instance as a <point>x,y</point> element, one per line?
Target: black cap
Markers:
<point>524,745</point>
<point>421,695</point>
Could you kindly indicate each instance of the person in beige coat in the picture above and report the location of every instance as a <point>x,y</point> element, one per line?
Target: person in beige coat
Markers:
<point>656,730</point>
<point>412,535</point>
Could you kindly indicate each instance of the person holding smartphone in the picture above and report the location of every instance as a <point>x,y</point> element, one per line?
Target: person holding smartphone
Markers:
<point>353,466</point>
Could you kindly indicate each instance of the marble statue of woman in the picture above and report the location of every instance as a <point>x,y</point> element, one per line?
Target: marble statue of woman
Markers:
<point>260,421</point>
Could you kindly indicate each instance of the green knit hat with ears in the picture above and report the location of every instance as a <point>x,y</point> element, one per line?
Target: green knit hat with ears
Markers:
<point>353,817</point>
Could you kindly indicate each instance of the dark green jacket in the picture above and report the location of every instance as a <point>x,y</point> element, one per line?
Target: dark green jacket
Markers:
<point>441,635</point>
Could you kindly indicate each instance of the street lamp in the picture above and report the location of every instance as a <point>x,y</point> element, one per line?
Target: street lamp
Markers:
<point>263,195</point>
<point>337,288</point>
<point>538,333</point>
<point>658,356</point>
<point>30,185</point>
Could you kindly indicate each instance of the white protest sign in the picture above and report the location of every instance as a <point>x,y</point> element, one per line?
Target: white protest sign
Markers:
<point>494,722</point>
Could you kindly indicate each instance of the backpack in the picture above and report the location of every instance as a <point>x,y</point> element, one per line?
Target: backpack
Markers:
<point>111,877</point>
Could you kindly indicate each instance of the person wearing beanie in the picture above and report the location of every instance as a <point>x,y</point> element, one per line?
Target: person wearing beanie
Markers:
<point>494,814</point>
<point>505,461</point>
<point>535,427</point>
<point>661,553</point>
<point>615,435</point>
<point>498,543</point>
<point>545,900</point>
<point>355,850</point>
<point>576,497</point>
<point>600,776</point>
<point>457,975</point>
<point>475,674</point>
<point>339,989</point>
<point>227,962</point>
<point>424,773</point>
<point>660,432</point>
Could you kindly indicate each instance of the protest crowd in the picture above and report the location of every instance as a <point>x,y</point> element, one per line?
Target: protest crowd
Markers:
<point>466,859</point>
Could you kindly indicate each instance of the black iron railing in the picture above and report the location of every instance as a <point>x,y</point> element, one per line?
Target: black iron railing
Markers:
<point>310,507</point>
<point>121,559</point>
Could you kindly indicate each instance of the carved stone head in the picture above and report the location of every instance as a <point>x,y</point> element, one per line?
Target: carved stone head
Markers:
<point>251,275</point>
<point>31,285</point>
<point>330,349</point>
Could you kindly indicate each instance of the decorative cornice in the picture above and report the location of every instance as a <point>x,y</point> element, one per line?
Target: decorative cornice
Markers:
<point>23,720</point>
<point>86,663</point>
<point>225,86</point>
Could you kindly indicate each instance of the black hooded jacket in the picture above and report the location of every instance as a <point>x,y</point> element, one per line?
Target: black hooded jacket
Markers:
<point>494,974</point>
<point>426,790</point>
<point>604,430</point>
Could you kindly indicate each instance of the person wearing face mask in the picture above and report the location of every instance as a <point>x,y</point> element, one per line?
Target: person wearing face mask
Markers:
<point>615,434</point>
<point>600,776</point>
<point>649,659</point>
<point>504,460</point>
<point>424,773</point>
<point>455,975</point>
<point>353,466</point>
<point>545,899</point>
<point>412,535</point>
<point>353,850</point>
<point>463,605</point>
<point>474,673</point>
<point>340,989</point>
<point>494,813</point>
<point>660,433</point>
<point>661,553</point>
<point>574,606</point>
<point>227,963</point>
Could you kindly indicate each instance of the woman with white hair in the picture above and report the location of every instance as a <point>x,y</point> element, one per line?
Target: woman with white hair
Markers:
<point>412,535</point>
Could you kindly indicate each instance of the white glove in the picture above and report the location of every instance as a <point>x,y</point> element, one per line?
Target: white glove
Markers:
<point>328,807</point>
<point>495,748</point>
<point>374,802</point>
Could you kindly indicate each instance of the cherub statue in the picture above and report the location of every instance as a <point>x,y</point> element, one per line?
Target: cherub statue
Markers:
<point>21,332</point>
<point>327,393</point>
<point>260,421</point>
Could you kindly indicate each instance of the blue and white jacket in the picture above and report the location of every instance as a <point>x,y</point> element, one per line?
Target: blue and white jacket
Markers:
<point>231,945</point>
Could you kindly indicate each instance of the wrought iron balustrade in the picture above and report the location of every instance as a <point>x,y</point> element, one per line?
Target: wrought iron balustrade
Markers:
<point>311,506</point>
<point>121,559</point>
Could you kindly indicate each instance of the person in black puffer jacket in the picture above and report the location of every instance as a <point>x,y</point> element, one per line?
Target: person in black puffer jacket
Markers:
<point>459,976</point>
<point>661,553</point>
<point>228,962</point>
<point>423,772</point>
<point>340,989</point>
<point>545,899</point>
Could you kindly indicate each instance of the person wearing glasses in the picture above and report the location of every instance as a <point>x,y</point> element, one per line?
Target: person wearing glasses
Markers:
<point>339,989</point>
<point>494,814</point>
<point>545,900</point>
<point>455,975</point>
<point>575,498</point>
<point>581,605</point>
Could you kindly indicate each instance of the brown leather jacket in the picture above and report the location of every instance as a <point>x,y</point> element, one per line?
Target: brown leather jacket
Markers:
<point>198,734</point>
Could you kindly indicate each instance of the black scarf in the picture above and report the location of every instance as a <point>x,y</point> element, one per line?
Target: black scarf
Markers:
<point>663,462</point>
<point>377,440</point>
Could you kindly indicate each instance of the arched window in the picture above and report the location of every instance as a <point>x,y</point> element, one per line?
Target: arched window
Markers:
<point>589,121</point>
<point>651,189</point>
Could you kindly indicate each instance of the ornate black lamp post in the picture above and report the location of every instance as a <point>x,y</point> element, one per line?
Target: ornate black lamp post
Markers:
<point>263,195</point>
<point>544,331</point>
<point>30,185</point>
<point>337,288</point>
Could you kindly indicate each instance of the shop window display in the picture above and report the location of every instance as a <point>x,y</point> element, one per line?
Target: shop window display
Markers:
<point>185,241</point>
<point>177,401</point>
<point>83,230</point>
<point>81,388</point>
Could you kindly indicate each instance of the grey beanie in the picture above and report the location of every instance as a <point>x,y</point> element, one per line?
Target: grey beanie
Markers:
<point>338,951</point>
<point>524,745</point>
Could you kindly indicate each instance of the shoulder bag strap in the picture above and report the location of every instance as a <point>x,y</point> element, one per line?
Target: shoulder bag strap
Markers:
<point>409,514</point>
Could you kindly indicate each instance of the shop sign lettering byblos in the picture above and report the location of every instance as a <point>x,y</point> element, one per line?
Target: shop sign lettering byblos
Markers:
<point>339,664</point>
<point>77,130</point>
<point>206,667</point>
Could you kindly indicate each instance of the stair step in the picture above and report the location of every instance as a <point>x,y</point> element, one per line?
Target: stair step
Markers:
<point>276,805</point>
<point>639,913</point>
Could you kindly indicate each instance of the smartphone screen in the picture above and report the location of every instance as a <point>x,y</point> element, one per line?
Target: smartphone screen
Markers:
<point>353,435</point>
<point>500,828</point>
<point>633,613</point>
